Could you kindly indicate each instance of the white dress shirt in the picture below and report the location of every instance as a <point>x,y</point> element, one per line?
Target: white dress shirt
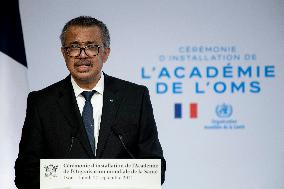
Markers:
<point>97,103</point>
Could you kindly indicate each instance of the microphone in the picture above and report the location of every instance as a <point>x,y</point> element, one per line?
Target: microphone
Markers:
<point>71,145</point>
<point>118,133</point>
<point>74,133</point>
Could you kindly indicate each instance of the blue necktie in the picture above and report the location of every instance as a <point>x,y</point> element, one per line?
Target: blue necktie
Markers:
<point>88,118</point>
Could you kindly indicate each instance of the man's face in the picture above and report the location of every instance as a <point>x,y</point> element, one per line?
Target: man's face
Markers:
<point>85,69</point>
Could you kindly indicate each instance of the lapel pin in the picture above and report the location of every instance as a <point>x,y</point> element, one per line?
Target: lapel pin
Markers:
<point>111,100</point>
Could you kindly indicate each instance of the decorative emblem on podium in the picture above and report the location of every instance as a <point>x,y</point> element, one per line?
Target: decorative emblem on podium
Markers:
<point>50,170</point>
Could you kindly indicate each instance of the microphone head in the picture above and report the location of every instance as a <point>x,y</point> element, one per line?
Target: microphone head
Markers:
<point>116,130</point>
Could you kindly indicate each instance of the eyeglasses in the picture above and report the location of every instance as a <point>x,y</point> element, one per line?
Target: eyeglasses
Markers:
<point>90,50</point>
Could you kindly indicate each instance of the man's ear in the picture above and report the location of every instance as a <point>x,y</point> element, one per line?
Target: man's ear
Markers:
<point>105,54</point>
<point>63,51</point>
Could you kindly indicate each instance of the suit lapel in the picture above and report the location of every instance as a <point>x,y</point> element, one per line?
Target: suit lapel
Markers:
<point>111,103</point>
<point>68,105</point>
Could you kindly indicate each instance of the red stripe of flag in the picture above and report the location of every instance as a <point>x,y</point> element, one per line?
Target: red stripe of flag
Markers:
<point>193,110</point>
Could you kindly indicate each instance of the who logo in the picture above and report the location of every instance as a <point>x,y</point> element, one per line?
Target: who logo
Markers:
<point>224,110</point>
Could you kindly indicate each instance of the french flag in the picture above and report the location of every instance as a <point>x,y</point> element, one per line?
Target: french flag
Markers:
<point>193,110</point>
<point>14,90</point>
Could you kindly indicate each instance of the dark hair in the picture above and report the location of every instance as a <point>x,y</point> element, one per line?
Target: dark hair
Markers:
<point>87,21</point>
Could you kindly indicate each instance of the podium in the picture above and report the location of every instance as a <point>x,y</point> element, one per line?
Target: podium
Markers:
<point>100,174</point>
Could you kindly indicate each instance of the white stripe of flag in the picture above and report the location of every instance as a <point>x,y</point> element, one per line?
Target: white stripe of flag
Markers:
<point>13,95</point>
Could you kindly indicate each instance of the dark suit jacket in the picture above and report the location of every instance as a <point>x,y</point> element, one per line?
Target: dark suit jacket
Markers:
<point>53,128</point>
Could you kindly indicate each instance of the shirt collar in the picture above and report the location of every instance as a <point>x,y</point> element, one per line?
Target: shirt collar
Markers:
<point>99,87</point>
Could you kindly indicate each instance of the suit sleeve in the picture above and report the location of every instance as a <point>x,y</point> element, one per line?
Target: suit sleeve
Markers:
<point>149,145</point>
<point>30,148</point>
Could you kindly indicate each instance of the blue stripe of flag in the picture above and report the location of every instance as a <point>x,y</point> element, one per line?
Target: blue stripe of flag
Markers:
<point>178,107</point>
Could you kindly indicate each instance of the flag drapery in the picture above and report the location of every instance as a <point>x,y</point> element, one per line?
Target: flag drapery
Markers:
<point>14,89</point>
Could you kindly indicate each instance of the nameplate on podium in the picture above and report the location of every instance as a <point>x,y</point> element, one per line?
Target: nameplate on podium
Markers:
<point>100,174</point>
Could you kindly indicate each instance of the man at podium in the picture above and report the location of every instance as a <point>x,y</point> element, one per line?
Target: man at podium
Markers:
<point>89,114</point>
